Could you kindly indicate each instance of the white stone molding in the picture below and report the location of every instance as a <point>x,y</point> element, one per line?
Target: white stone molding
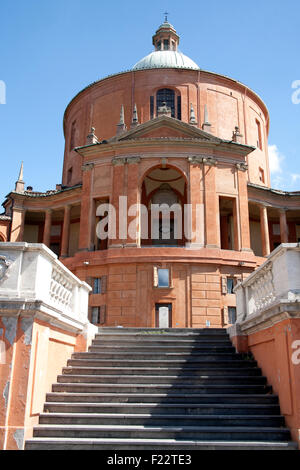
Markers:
<point>271,292</point>
<point>40,286</point>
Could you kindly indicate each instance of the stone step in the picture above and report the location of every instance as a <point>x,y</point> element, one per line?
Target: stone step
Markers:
<point>120,347</point>
<point>160,369</point>
<point>168,340</point>
<point>207,358</point>
<point>79,375</point>
<point>200,331</point>
<point>206,338</point>
<point>173,371</point>
<point>151,444</point>
<point>168,359</point>
<point>162,389</point>
<point>157,388</point>
<point>150,419</point>
<point>225,433</point>
<point>191,408</point>
<point>242,400</point>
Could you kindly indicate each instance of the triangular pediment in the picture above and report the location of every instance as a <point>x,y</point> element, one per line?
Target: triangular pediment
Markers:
<point>165,127</point>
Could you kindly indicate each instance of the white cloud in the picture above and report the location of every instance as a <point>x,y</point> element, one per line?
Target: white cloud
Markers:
<point>295,177</point>
<point>275,159</point>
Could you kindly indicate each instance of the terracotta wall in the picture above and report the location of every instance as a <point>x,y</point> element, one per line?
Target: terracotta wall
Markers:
<point>99,106</point>
<point>195,293</point>
<point>277,352</point>
<point>32,354</point>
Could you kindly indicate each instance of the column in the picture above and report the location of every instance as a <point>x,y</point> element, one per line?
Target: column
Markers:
<point>284,237</point>
<point>212,223</point>
<point>17,225</point>
<point>47,227</point>
<point>244,225</point>
<point>133,198</point>
<point>117,191</point>
<point>86,212</point>
<point>195,221</point>
<point>66,232</point>
<point>264,228</point>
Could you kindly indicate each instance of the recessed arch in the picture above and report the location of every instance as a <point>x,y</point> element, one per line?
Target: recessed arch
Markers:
<point>164,185</point>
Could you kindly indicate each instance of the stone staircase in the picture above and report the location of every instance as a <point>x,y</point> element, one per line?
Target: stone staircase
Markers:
<point>161,389</point>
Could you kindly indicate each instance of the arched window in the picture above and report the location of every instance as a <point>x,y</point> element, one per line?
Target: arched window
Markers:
<point>165,95</point>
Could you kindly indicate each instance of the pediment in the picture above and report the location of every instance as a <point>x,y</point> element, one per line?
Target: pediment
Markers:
<point>165,127</point>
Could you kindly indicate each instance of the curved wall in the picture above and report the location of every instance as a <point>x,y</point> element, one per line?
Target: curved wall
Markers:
<point>229,104</point>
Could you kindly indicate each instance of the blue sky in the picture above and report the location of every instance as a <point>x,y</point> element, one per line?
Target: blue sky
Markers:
<point>50,50</point>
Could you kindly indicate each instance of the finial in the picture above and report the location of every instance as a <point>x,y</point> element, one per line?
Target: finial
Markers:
<point>20,185</point>
<point>166,16</point>
<point>91,138</point>
<point>21,173</point>
<point>206,126</point>
<point>237,136</point>
<point>122,115</point>
<point>135,120</point>
<point>121,127</point>
<point>192,115</point>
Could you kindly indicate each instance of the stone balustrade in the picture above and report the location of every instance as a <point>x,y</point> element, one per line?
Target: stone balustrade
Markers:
<point>33,280</point>
<point>272,291</point>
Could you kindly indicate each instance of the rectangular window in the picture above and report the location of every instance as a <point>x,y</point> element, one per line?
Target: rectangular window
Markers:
<point>163,278</point>
<point>151,107</point>
<point>99,315</point>
<point>166,44</point>
<point>95,315</point>
<point>231,315</point>
<point>230,285</point>
<point>179,107</point>
<point>99,285</point>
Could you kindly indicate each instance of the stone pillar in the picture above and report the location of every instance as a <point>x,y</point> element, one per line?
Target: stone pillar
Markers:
<point>196,200</point>
<point>118,190</point>
<point>264,228</point>
<point>47,227</point>
<point>212,223</point>
<point>133,198</point>
<point>86,212</point>
<point>17,225</point>
<point>244,225</point>
<point>66,232</point>
<point>284,237</point>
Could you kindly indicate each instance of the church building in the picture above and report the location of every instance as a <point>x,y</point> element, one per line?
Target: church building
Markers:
<point>163,135</point>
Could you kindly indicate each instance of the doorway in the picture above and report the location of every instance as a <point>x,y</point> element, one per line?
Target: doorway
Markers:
<point>163,315</point>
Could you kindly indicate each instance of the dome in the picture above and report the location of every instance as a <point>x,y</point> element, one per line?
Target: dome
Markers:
<point>166,59</point>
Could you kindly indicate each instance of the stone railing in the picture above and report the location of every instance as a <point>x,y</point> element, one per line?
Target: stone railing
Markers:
<point>272,290</point>
<point>33,279</point>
